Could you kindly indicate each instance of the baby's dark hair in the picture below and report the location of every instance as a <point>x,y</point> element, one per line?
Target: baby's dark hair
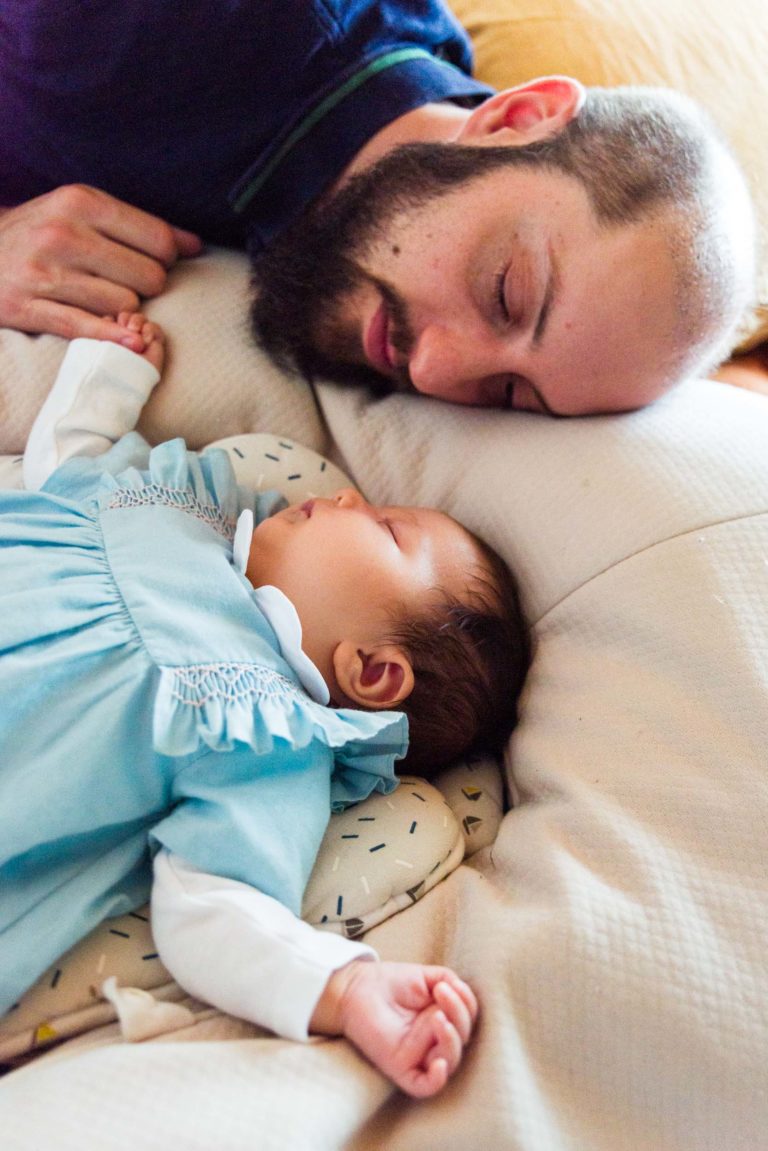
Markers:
<point>470,657</point>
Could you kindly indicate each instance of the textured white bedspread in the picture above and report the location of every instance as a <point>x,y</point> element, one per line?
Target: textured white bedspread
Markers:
<point>617,931</point>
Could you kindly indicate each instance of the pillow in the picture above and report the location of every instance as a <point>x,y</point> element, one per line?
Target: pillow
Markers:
<point>712,51</point>
<point>376,859</point>
<point>617,929</point>
<point>215,383</point>
<point>261,461</point>
<point>474,791</point>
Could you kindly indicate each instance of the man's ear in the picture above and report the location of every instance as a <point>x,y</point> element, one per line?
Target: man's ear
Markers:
<point>522,115</point>
<point>373,677</point>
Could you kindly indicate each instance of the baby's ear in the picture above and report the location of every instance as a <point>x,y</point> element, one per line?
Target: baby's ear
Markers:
<point>375,677</point>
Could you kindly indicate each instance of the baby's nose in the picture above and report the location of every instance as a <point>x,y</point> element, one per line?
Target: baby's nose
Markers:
<point>348,498</point>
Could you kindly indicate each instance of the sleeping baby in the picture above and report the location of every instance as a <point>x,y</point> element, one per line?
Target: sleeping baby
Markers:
<point>194,677</point>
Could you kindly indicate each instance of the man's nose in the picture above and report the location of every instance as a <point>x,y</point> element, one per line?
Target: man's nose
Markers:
<point>455,363</point>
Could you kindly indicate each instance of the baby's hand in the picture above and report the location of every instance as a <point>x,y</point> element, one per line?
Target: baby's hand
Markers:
<point>143,337</point>
<point>411,1021</point>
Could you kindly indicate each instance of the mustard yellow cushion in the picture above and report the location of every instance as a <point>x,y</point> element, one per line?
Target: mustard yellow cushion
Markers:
<point>714,51</point>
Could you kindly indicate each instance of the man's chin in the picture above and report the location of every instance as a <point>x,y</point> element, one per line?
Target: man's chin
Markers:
<point>314,366</point>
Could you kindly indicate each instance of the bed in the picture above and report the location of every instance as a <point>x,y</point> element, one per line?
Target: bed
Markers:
<point>615,922</point>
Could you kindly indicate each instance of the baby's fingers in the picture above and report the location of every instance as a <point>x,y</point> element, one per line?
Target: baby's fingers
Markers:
<point>448,1044</point>
<point>460,1010</point>
<point>426,1040</point>
<point>423,1083</point>
<point>141,334</point>
<point>133,321</point>
<point>438,975</point>
<point>430,1072</point>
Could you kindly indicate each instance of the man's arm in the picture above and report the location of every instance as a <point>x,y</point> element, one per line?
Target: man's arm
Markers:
<point>74,258</point>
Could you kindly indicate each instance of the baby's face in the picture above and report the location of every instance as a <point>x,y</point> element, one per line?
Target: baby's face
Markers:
<point>346,565</point>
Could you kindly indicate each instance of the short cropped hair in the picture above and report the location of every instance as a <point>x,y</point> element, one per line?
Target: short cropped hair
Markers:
<point>469,659</point>
<point>643,152</point>
<point>640,153</point>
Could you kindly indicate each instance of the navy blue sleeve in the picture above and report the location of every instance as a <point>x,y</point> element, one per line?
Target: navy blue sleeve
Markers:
<point>182,116</point>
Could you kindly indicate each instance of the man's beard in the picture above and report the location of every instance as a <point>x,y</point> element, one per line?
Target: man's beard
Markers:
<point>301,282</point>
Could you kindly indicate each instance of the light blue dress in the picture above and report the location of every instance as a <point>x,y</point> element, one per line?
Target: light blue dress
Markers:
<point>144,700</point>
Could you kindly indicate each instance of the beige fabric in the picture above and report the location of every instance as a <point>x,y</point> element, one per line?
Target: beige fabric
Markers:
<point>215,384</point>
<point>713,51</point>
<point>616,930</point>
<point>623,911</point>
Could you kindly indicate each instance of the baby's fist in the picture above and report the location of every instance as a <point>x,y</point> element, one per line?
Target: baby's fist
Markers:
<point>411,1021</point>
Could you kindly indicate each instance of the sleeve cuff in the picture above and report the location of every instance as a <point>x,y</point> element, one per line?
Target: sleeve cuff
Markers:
<point>242,951</point>
<point>96,398</point>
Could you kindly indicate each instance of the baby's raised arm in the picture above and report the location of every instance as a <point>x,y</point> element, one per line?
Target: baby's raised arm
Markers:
<point>412,1021</point>
<point>96,398</point>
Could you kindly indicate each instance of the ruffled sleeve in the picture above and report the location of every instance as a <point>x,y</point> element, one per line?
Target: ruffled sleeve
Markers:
<point>83,476</point>
<point>221,705</point>
<point>132,474</point>
<point>268,766</point>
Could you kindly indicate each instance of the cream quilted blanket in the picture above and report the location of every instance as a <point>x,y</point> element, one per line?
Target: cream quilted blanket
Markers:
<point>617,930</point>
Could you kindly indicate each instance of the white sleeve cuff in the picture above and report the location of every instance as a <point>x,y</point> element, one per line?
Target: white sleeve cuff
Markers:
<point>242,951</point>
<point>96,398</point>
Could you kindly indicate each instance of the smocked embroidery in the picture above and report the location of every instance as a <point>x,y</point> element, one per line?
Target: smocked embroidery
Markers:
<point>200,684</point>
<point>153,494</point>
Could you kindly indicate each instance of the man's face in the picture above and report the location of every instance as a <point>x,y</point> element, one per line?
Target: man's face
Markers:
<point>502,291</point>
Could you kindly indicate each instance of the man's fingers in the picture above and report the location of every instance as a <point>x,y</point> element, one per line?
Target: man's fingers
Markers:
<point>110,258</point>
<point>76,250</point>
<point>62,320</point>
<point>130,226</point>
<point>187,243</point>
<point>83,292</point>
<point>105,260</point>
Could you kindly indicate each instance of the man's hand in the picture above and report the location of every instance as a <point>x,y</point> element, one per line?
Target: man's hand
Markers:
<point>411,1021</point>
<point>73,258</point>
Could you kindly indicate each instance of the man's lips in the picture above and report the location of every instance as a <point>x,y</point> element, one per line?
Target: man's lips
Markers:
<point>307,506</point>
<point>376,346</point>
